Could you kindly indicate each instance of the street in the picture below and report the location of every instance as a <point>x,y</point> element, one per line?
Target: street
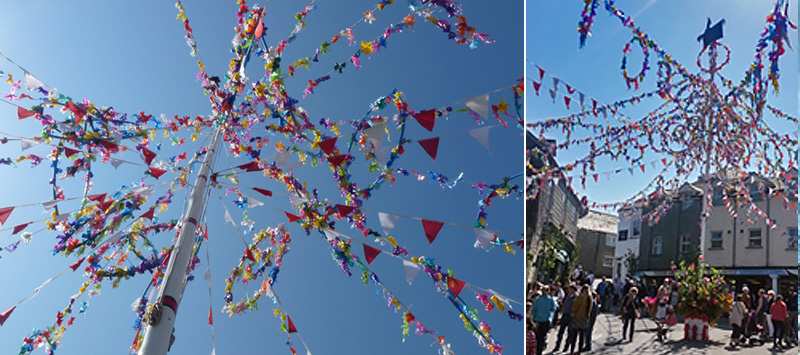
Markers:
<point>608,331</point>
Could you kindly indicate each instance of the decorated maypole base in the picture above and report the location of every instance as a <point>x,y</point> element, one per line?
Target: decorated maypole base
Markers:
<point>695,329</point>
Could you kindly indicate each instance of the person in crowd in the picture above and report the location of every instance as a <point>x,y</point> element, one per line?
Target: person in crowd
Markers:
<point>530,336</point>
<point>544,307</point>
<point>601,290</point>
<point>566,316</point>
<point>768,313</point>
<point>779,314</point>
<point>589,279</point>
<point>791,322</point>
<point>581,311</point>
<point>592,319</point>
<point>760,305</point>
<point>737,319</point>
<point>629,311</point>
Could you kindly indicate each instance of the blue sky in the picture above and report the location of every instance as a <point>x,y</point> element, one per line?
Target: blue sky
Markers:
<point>552,42</point>
<point>135,58</point>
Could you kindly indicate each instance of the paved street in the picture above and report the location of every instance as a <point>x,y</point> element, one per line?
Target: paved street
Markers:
<point>608,331</point>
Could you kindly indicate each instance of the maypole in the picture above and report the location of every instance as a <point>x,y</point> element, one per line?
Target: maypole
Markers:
<point>160,316</point>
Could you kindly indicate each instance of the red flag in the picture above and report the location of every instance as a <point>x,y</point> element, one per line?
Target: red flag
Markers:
<point>4,214</point>
<point>210,316</point>
<point>432,229</point>
<point>70,152</point>
<point>292,217</point>
<point>567,100</point>
<point>536,86</point>
<point>156,172</point>
<point>455,286</point>
<point>260,28</point>
<point>77,264</point>
<point>431,146</point>
<point>110,146</point>
<point>292,328</point>
<point>264,192</point>
<point>7,313</point>
<point>370,253</point>
<point>149,214</point>
<point>104,205</point>
<point>338,159</point>
<point>23,113</point>
<point>248,254</point>
<point>328,145</point>
<point>97,197</point>
<point>426,119</point>
<point>251,166</point>
<point>148,155</point>
<point>344,210</point>
<point>77,111</point>
<point>20,227</point>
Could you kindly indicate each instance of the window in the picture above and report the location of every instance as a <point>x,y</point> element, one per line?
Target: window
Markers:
<point>623,235</point>
<point>608,261</point>
<point>716,240</point>
<point>610,240</point>
<point>754,240</point>
<point>686,244</point>
<point>755,192</point>
<point>657,246</point>
<point>636,229</point>
<point>792,238</point>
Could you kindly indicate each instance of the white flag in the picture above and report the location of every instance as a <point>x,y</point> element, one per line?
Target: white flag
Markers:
<point>387,221</point>
<point>479,105</point>
<point>228,218</point>
<point>32,83</point>
<point>253,203</point>
<point>375,135</point>
<point>481,134</point>
<point>411,270</point>
<point>116,162</point>
<point>484,238</point>
<point>27,144</point>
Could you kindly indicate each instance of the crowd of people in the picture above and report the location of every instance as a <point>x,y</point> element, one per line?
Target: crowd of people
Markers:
<point>571,309</point>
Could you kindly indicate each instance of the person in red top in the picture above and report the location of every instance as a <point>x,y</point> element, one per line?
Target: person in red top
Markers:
<point>779,313</point>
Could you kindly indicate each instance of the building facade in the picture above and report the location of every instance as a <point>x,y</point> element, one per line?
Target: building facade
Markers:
<point>597,236</point>
<point>626,248</point>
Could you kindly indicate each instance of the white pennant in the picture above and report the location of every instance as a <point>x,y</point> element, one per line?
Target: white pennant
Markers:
<point>481,134</point>
<point>479,105</point>
<point>411,270</point>
<point>484,238</point>
<point>32,83</point>
<point>27,144</point>
<point>387,221</point>
<point>253,203</point>
<point>229,219</point>
<point>116,162</point>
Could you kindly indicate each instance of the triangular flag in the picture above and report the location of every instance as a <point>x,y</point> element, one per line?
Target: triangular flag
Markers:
<point>481,134</point>
<point>20,227</point>
<point>338,159</point>
<point>387,220</point>
<point>344,210</point>
<point>426,119</point>
<point>156,172</point>
<point>479,105</point>
<point>253,203</point>
<point>27,144</point>
<point>432,229</point>
<point>7,313</point>
<point>431,146</point>
<point>292,217</point>
<point>148,154</point>
<point>370,253</point>
<point>70,152</point>
<point>327,145</point>
<point>259,28</point>
<point>97,197</point>
<point>74,266</point>
<point>32,83</point>
<point>23,113</point>
<point>251,166</point>
<point>210,316</point>
<point>149,214</point>
<point>292,328</point>
<point>116,162</point>
<point>264,192</point>
<point>77,111</point>
<point>455,285</point>
<point>411,270</point>
<point>484,238</point>
<point>375,134</point>
<point>227,217</point>
<point>4,214</point>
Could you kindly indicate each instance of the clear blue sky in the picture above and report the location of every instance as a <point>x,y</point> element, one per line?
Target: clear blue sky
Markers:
<point>134,58</point>
<point>552,42</point>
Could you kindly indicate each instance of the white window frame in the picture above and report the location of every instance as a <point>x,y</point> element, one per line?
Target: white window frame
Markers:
<point>721,240</point>
<point>750,239</point>
<point>657,246</point>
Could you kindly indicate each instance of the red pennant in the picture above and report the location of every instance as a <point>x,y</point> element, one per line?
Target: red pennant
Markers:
<point>77,264</point>
<point>23,113</point>
<point>20,227</point>
<point>344,210</point>
<point>292,217</point>
<point>110,146</point>
<point>431,146</point>
<point>567,100</point>
<point>260,28</point>
<point>77,111</point>
<point>4,214</point>
<point>426,119</point>
<point>432,229</point>
<point>7,313</point>
<point>148,155</point>
<point>536,86</point>
<point>455,286</point>
<point>292,328</point>
<point>251,166</point>
<point>264,192</point>
<point>338,159</point>
<point>410,317</point>
<point>97,197</point>
<point>149,214</point>
<point>210,316</point>
<point>156,172</point>
<point>249,255</point>
<point>370,253</point>
<point>328,145</point>
<point>69,152</point>
<point>104,205</point>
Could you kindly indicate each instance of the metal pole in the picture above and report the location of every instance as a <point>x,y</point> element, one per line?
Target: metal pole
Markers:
<point>160,318</point>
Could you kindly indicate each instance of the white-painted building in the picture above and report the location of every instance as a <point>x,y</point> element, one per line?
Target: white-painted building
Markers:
<point>629,229</point>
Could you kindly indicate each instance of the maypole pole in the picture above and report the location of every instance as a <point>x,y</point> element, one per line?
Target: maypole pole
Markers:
<point>160,317</point>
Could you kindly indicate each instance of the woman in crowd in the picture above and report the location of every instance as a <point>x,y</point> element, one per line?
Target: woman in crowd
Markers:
<point>629,312</point>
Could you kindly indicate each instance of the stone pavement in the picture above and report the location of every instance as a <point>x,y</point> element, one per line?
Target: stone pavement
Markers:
<point>608,332</point>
